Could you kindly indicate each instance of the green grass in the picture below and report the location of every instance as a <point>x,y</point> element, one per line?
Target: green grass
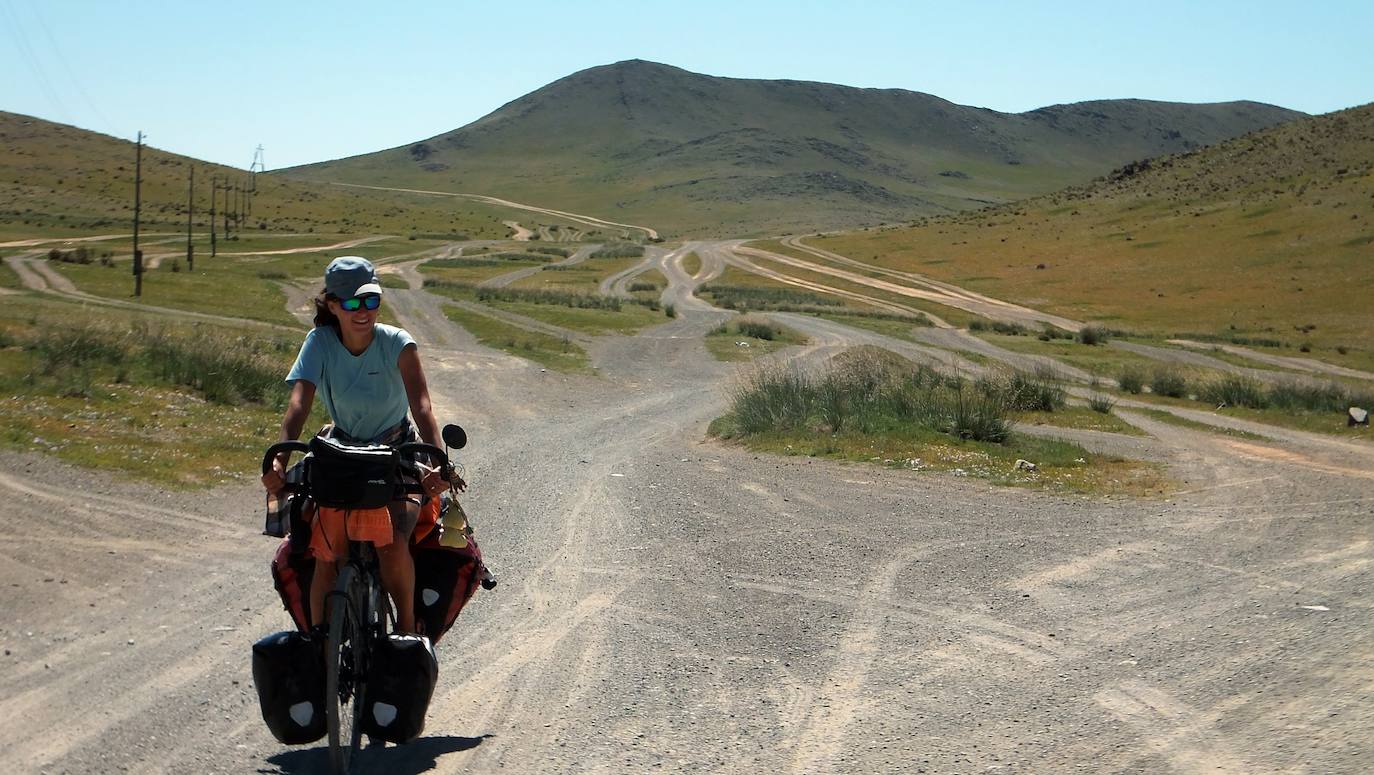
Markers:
<point>724,342</point>
<point>897,329</point>
<point>390,280</point>
<point>1279,215</point>
<point>627,320</point>
<point>548,351</point>
<point>182,405</point>
<point>619,250</point>
<point>200,291</point>
<point>1058,463</point>
<point>469,271</point>
<point>874,405</point>
<point>691,264</point>
<point>1184,422</point>
<point>9,278</point>
<point>61,181</point>
<point>1079,418</point>
<point>1102,361</point>
<point>584,276</point>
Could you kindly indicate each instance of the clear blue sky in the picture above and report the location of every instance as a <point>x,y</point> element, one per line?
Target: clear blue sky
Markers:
<point>314,80</point>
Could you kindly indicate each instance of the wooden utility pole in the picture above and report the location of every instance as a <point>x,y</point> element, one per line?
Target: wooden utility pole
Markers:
<point>190,209</point>
<point>138,201</point>
<point>214,190</point>
<point>227,235</point>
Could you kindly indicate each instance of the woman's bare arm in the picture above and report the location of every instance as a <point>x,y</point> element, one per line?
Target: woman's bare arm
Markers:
<point>297,411</point>
<point>417,393</point>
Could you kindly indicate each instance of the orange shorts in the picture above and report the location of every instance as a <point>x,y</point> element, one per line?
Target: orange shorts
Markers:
<point>332,529</point>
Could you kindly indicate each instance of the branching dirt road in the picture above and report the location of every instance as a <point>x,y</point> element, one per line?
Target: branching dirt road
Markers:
<point>673,604</point>
<point>585,220</point>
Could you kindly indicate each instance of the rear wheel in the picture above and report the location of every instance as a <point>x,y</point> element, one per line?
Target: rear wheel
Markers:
<point>346,669</point>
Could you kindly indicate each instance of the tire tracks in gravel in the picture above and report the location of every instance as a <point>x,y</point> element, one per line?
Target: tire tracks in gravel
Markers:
<point>698,611</point>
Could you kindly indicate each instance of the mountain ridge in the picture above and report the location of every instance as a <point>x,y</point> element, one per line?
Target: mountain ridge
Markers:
<point>716,155</point>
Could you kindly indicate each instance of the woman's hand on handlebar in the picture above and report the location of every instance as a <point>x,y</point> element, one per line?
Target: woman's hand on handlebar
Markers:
<point>275,480</point>
<point>436,480</point>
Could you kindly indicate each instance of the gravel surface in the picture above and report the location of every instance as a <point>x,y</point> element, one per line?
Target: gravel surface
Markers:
<point>669,603</point>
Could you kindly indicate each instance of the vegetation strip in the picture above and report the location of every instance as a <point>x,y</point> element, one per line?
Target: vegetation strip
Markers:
<point>559,354</point>
<point>873,401</point>
<point>745,338</point>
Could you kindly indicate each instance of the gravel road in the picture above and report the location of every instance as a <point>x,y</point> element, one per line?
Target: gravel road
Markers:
<point>674,604</point>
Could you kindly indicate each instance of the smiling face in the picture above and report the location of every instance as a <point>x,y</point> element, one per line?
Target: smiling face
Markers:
<point>356,323</point>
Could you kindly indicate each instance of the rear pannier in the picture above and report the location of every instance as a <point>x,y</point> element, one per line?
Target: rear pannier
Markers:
<point>400,682</point>
<point>288,671</point>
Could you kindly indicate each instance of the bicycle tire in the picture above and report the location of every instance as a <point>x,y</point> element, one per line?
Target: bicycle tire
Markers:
<point>345,652</point>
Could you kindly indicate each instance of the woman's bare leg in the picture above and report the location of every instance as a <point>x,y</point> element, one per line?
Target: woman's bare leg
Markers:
<point>326,573</point>
<point>398,567</point>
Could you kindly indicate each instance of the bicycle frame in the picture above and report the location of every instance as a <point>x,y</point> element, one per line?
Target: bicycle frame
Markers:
<point>358,611</point>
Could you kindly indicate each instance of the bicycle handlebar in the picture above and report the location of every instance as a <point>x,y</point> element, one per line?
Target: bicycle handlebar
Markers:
<point>407,449</point>
<point>278,448</point>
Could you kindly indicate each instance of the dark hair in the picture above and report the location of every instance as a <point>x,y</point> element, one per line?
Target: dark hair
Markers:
<point>323,317</point>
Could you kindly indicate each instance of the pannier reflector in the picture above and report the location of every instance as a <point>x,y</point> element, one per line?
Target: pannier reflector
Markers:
<point>430,596</point>
<point>302,712</point>
<point>383,713</point>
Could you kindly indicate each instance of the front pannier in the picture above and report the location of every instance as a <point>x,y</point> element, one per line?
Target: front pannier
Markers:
<point>445,579</point>
<point>400,682</point>
<point>349,477</point>
<point>293,571</point>
<point>288,671</point>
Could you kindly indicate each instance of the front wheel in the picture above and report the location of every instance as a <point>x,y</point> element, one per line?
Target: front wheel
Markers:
<point>345,670</point>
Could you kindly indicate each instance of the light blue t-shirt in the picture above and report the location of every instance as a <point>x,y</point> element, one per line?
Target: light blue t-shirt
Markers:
<point>364,394</point>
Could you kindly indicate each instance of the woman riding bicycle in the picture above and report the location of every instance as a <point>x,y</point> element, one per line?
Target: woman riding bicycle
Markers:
<point>368,374</point>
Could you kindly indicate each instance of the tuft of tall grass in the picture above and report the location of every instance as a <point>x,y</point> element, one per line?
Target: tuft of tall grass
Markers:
<point>225,369</point>
<point>1234,390</point>
<point>1131,379</point>
<point>745,297</point>
<point>1100,403</point>
<point>1091,335</point>
<point>869,394</point>
<point>619,250</point>
<point>1296,395</point>
<point>1168,381</point>
<point>549,296</point>
<point>1027,392</point>
<point>636,287</point>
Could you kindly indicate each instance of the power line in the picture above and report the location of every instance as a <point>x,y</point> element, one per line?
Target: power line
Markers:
<point>21,41</point>
<point>61,57</point>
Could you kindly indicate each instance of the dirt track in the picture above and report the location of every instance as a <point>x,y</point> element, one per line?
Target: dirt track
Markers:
<point>673,604</point>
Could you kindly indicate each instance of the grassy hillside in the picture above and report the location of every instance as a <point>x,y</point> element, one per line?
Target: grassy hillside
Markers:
<point>58,180</point>
<point>1268,237</point>
<point>690,153</point>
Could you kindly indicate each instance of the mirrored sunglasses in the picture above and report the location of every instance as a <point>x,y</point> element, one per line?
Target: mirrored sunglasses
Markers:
<point>369,301</point>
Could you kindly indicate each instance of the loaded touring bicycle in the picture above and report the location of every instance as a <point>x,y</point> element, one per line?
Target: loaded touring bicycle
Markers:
<point>353,674</point>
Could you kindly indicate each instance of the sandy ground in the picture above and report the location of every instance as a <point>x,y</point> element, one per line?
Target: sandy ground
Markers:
<point>674,604</point>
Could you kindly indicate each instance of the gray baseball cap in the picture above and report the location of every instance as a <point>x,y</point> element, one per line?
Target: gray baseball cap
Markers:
<point>349,276</point>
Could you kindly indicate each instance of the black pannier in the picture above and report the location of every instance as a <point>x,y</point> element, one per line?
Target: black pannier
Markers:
<point>445,580</point>
<point>352,477</point>
<point>288,671</point>
<point>400,682</point>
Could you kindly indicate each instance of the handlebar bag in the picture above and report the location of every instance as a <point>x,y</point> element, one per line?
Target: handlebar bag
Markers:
<point>352,477</point>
